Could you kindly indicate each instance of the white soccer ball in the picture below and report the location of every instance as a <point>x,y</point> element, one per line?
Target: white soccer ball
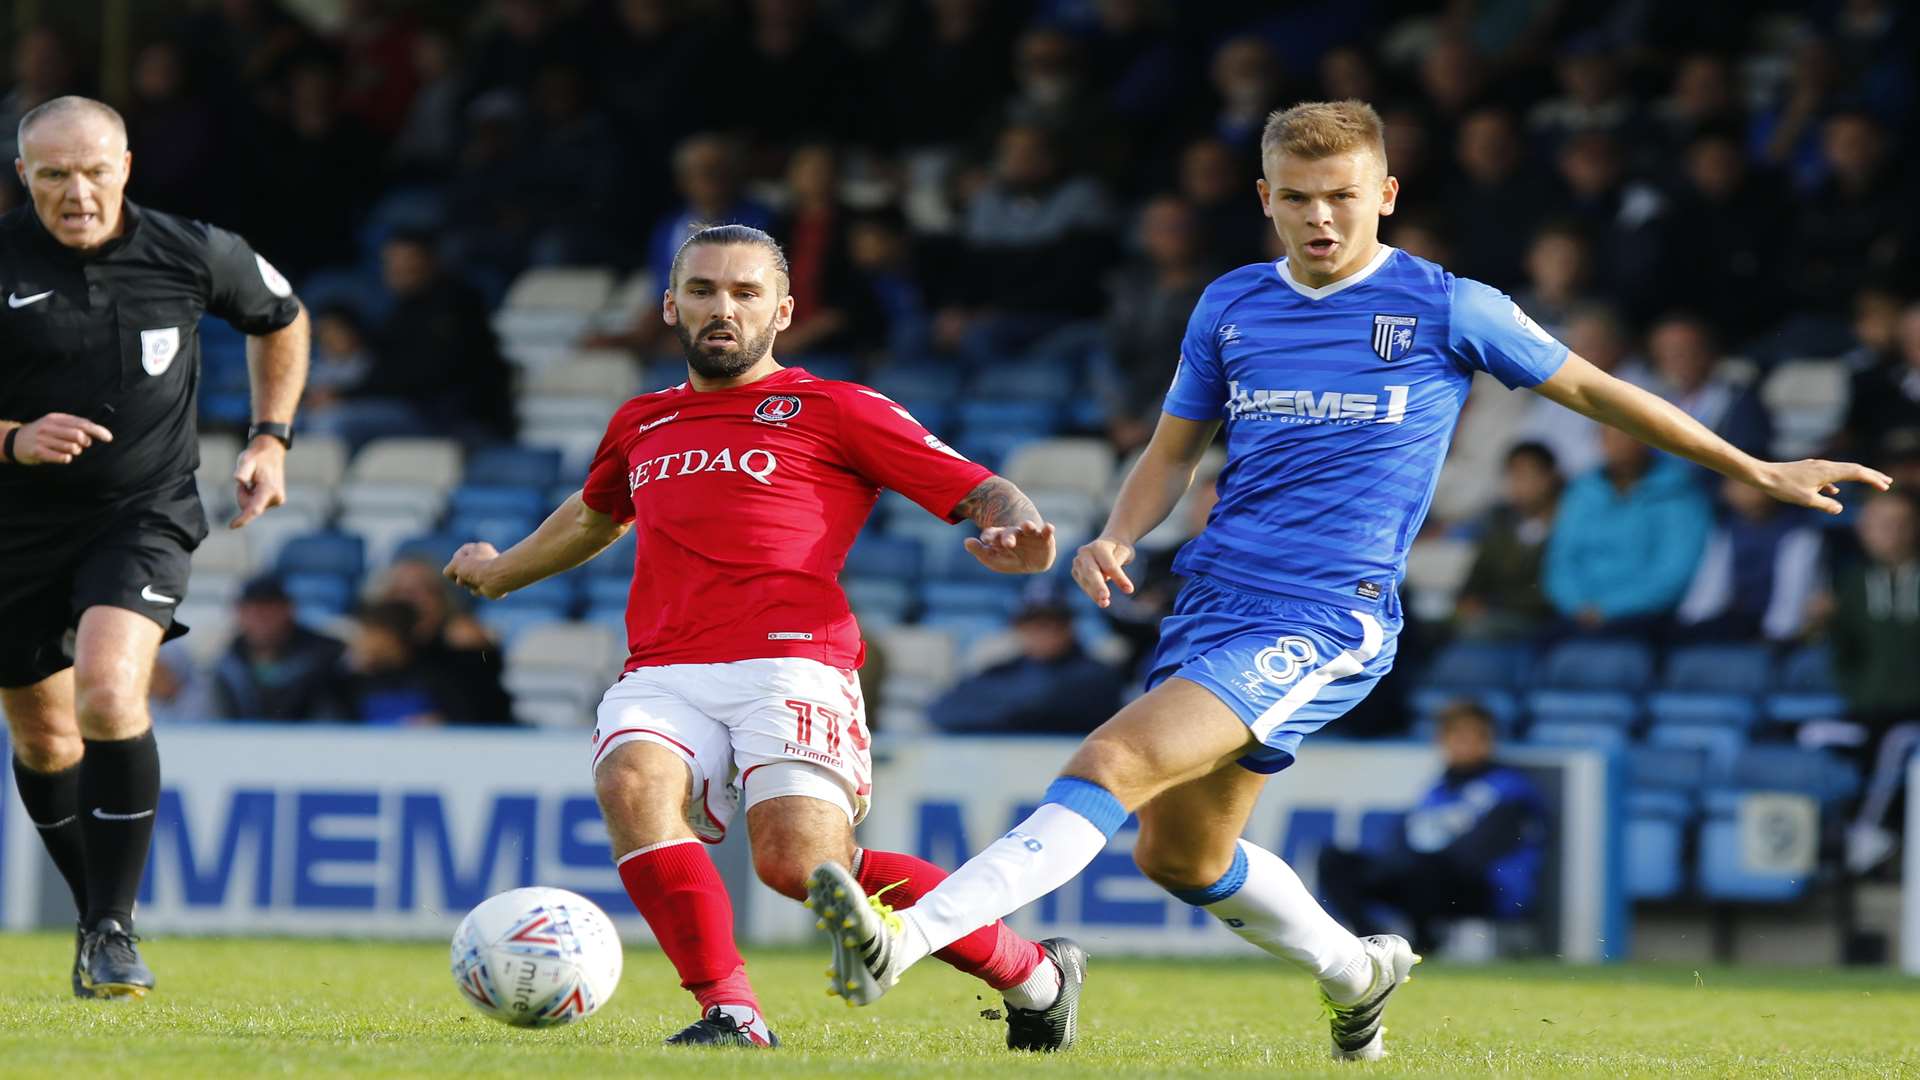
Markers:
<point>536,957</point>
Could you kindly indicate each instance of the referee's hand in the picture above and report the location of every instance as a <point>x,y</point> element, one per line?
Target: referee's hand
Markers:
<point>56,439</point>
<point>259,479</point>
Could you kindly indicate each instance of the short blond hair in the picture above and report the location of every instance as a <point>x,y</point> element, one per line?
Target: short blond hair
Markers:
<point>1318,129</point>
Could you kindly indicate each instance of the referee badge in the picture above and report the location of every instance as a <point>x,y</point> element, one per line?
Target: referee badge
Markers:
<point>1393,336</point>
<point>157,349</point>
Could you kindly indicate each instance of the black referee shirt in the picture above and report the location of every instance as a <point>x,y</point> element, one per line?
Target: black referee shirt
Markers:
<point>112,334</point>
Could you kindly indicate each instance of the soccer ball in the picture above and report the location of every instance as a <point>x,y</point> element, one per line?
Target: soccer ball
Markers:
<point>536,957</point>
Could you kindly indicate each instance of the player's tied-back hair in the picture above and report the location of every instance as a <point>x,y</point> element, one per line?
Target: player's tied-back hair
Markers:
<point>1319,129</point>
<point>732,234</point>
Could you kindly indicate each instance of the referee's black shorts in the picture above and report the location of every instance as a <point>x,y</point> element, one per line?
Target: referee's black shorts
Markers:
<point>134,558</point>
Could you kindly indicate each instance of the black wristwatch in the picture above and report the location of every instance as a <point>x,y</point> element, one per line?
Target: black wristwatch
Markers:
<point>283,432</point>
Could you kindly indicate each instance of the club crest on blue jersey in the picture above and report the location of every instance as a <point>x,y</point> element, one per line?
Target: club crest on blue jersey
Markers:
<point>1393,336</point>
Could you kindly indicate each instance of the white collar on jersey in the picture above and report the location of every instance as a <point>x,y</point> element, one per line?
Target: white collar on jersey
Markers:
<point>1379,259</point>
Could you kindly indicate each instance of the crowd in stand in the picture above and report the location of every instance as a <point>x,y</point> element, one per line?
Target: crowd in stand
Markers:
<point>1690,195</point>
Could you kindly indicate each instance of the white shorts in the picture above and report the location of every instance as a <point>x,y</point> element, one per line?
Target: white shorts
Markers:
<point>730,721</point>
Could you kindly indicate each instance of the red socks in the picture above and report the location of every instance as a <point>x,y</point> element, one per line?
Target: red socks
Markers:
<point>679,892</point>
<point>994,954</point>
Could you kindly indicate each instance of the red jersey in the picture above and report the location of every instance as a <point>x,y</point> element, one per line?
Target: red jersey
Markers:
<point>744,502</point>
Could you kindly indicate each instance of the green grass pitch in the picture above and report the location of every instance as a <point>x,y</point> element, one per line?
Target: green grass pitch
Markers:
<point>362,1009</point>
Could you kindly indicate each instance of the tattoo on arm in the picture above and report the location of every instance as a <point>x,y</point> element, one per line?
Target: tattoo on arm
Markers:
<point>997,502</point>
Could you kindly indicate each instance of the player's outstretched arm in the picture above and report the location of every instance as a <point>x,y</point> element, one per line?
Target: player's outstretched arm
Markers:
<point>1591,392</point>
<point>1158,480</point>
<point>570,536</point>
<point>1013,538</point>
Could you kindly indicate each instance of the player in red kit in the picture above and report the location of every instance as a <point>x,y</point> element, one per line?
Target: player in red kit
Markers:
<point>745,486</point>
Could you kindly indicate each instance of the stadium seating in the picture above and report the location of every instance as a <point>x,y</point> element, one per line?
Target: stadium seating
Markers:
<point>1808,401</point>
<point>1597,665</point>
<point>1730,848</point>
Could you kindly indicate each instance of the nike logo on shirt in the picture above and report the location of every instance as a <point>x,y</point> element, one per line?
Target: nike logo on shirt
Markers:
<point>15,300</point>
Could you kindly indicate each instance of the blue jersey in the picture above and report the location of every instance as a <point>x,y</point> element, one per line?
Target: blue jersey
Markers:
<point>1339,403</point>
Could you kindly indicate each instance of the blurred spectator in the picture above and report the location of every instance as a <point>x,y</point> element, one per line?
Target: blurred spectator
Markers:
<point>1502,597</point>
<point>1592,95</point>
<point>175,136</point>
<point>1052,91</point>
<point>1596,335</point>
<point>572,186</point>
<point>642,56</point>
<point>786,45</point>
<point>707,170</point>
<point>1219,185</point>
<point>177,692</point>
<point>814,231</point>
<point>1876,328</point>
<point>1884,402</point>
<point>1469,481</point>
<point>1688,372</point>
<point>1758,572</point>
<point>1153,296</point>
<point>1856,222</point>
<point>277,669</point>
<point>387,683</point>
<point>1412,153</point>
<point>1135,617</point>
<point>428,141</point>
<point>340,364</point>
<point>947,64</point>
<point>1135,57</point>
<point>1875,630</point>
<point>1035,247</point>
<point>1052,686</point>
<point>1452,83</point>
<point>1726,221</point>
<point>1558,269</point>
<point>521,38</point>
<point>1473,847</point>
<point>1701,99</point>
<point>1347,75</point>
<point>317,162</point>
<point>891,293</point>
<point>1627,539</point>
<point>435,354</point>
<point>247,44</point>
<point>1626,219</point>
<point>1496,203</point>
<point>1786,131</point>
<point>448,641</point>
<point>1422,235</point>
<point>377,48</point>
<point>42,70</point>
<point>1247,87</point>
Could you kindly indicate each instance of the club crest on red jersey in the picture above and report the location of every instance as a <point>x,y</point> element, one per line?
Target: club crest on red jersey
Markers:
<point>777,409</point>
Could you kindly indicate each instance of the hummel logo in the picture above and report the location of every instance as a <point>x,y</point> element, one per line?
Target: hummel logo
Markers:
<point>104,816</point>
<point>651,424</point>
<point>15,300</point>
<point>151,597</point>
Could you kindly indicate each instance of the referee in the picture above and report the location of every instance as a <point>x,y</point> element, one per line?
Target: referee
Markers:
<point>99,362</point>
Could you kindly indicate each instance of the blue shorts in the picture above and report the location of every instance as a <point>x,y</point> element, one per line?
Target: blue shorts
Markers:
<point>1287,667</point>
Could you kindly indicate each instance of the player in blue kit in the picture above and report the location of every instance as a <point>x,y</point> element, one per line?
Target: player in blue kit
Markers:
<point>1339,372</point>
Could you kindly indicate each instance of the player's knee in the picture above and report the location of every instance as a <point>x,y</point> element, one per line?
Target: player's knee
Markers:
<point>110,710</point>
<point>1184,866</point>
<point>782,872</point>
<point>45,749</point>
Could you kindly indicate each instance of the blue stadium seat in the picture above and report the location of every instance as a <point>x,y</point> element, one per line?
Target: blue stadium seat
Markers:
<point>995,598</point>
<point>1810,668</point>
<point>893,558</point>
<point>1702,709</point>
<point>1794,707</point>
<point>1724,873</point>
<point>1792,768</point>
<point>1479,664</point>
<point>917,382</point>
<point>825,366</point>
<point>936,416</point>
<point>1597,665</point>
<point>558,595</point>
<point>435,548</point>
<point>1656,844</point>
<point>1664,768</point>
<point>992,446</point>
<point>1023,382</point>
<point>1033,418</point>
<point>1609,707</point>
<point>324,553</point>
<point>489,499</point>
<point>501,530</point>
<point>318,593</point>
<point>876,600</point>
<point>523,466</point>
<point>963,629</point>
<point>605,590</point>
<point>617,560</point>
<point>507,621</point>
<point>614,615</point>
<point>1597,736</point>
<point>1733,669</point>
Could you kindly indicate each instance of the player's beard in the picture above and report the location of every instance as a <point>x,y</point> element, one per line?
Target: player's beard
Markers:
<point>723,363</point>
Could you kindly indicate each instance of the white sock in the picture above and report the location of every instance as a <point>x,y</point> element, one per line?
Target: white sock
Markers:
<point>750,1021</point>
<point>1272,909</point>
<point>1040,989</point>
<point>1041,854</point>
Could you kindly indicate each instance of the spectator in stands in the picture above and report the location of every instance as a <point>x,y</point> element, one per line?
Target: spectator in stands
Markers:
<point>1052,686</point>
<point>1726,221</point>
<point>1592,97</point>
<point>1473,846</point>
<point>1152,298</point>
<point>1688,372</point>
<point>707,171</point>
<point>42,70</point>
<point>341,362</point>
<point>387,684</point>
<point>277,669</point>
<point>1597,335</point>
<point>316,159</point>
<point>447,641</point>
<point>642,56</point>
<point>429,137</point>
<point>1627,540</point>
<point>1453,82</point>
<point>1558,267</point>
<point>821,281</point>
<point>1876,328</point>
<point>1857,222</point>
<point>572,187</point>
<point>1135,617</point>
<point>1053,91</point>
<point>891,298</point>
<point>1884,403</point>
<point>176,135</point>
<point>377,48</point>
<point>1036,245</point>
<point>1421,235</point>
<point>1214,181</point>
<point>1786,131</point>
<point>1875,630</point>
<point>1701,99</point>
<point>1469,481</point>
<point>1502,597</point>
<point>177,693</point>
<point>1627,220</point>
<point>435,354</point>
<point>1496,203</point>
<point>1247,87</point>
<point>948,62</point>
<point>1758,573</point>
<point>787,45</point>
